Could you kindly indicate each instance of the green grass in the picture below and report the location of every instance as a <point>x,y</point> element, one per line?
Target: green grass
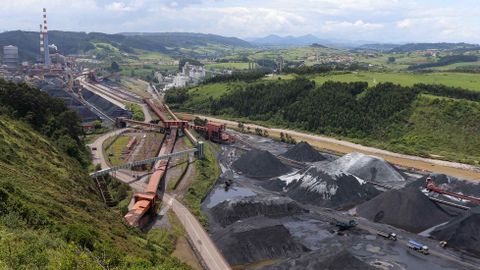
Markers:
<point>114,152</point>
<point>208,172</point>
<point>444,128</point>
<point>462,80</point>
<point>233,65</point>
<point>137,111</point>
<point>52,216</point>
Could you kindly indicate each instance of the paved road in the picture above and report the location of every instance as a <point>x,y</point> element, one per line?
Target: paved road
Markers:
<point>200,238</point>
<point>463,171</point>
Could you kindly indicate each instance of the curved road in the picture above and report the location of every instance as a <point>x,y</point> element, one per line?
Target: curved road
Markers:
<point>202,242</point>
<point>463,171</point>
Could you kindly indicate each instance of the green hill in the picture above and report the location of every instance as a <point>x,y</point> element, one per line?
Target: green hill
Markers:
<point>51,214</point>
<point>79,42</point>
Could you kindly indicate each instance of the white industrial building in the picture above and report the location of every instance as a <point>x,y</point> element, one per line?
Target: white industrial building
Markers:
<point>10,57</point>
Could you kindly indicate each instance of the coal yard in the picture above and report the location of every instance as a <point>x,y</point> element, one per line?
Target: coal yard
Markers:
<point>279,206</point>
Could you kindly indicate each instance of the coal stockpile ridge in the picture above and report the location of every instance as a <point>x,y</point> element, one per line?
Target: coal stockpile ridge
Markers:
<point>369,168</point>
<point>233,210</point>
<point>333,258</point>
<point>407,208</point>
<point>104,105</point>
<point>266,243</point>
<point>303,152</point>
<point>316,186</point>
<point>260,164</point>
<point>462,232</point>
<point>450,183</point>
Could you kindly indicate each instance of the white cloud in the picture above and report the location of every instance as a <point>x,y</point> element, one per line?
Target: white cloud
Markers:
<point>376,20</point>
<point>345,25</point>
<point>123,6</point>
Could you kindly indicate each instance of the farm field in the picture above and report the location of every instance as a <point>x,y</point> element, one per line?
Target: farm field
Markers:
<point>462,80</point>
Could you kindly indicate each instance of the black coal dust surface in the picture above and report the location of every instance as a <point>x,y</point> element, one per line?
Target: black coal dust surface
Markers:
<point>407,208</point>
<point>315,186</point>
<point>304,152</point>
<point>334,258</point>
<point>462,232</point>
<point>233,210</point>
<point>260,164</point>
<point>247,245</point>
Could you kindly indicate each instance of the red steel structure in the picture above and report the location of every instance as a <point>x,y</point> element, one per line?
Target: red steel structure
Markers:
<point>146,202</point>
<point>432,187</point>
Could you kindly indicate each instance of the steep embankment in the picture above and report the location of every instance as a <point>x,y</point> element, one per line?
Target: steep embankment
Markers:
<point>51,215</point>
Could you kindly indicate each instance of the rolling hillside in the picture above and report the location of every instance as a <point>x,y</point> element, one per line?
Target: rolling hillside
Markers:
<point>79,42</point>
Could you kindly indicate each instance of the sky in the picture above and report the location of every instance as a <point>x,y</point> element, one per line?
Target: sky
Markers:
<point>353,20</point>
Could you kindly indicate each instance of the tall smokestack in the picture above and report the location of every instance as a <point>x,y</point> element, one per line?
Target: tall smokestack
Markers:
<point>45,39</point>
<point>42,49</point>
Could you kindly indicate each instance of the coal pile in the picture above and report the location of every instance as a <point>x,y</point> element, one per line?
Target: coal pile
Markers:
<point>316,186</point>
<point>105,106</point>
<point>233,210</point>
<point>303,152</point>
<point>450,183</point>
<point>260,164</point>
<point>366,167</point>
<point>333,258</point>
<point>462,232</point>
<point>407,208</point>
<point>259,244</point>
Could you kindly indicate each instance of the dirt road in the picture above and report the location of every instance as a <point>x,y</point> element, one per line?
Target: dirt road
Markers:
<point>463,171</point>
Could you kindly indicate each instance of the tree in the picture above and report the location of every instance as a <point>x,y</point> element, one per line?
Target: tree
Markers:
<point>391,59</point>
<point>115,67</point>
<point>97,124</point>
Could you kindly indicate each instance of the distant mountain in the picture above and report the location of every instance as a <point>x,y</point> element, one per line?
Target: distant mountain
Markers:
<point>433,46</point>
<point>287,40</point>
<point>80,42</point>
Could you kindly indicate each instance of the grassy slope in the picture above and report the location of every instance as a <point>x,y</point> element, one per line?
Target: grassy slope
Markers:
<point>444,127</point>
<point>463,80</point>
<point>208,172</point>
<point>51,216</point>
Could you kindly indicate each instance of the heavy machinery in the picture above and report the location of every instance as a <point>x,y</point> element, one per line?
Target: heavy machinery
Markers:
<point>344,225</point>
<point>432,187</point>
<point>419,247</point>
<point>389,236</point>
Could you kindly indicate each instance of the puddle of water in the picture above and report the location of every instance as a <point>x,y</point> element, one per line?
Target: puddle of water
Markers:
<point>219,195</point>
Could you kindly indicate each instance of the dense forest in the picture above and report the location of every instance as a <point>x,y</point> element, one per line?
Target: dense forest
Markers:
<point>324,68</point>
<point>383,115</point>
<point>47,115</point>
<point>445,61</point>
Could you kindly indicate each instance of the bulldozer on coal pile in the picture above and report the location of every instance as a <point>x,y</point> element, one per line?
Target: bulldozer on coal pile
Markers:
<point>344,225</point>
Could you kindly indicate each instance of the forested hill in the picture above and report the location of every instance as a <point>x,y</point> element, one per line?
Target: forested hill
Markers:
<point>425,120</point>
<point>51,214</point>
<point>80,42</point>
<point>433,46</point>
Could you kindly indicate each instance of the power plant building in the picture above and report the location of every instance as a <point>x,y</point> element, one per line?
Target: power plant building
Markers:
<point>10,57</point>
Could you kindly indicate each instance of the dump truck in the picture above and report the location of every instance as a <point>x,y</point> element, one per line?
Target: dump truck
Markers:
<point>418,247</point>
<point>389,236</point>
